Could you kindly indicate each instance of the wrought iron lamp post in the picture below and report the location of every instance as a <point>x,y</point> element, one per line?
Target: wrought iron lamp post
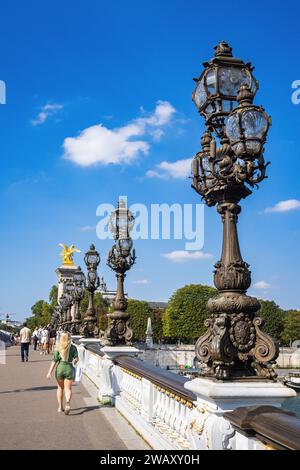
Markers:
<point>228,166</point>
<point>69,293</point>
<point>89,327</point>
<point>65,302</point>
<point>78,291</point>
<point>56,319</point>
<point>120,259</point>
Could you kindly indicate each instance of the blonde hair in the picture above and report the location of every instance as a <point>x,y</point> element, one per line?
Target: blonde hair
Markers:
<point>64,346</point>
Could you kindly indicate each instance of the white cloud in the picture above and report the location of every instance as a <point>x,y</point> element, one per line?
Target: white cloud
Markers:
<point>87,228</point>
<point>141,281</point>
<point>166,170</point>
<point>46,111</point>
<point>262,285</point>
<point>284,206</point>
<point>182,256</point>
<point>99,145</point>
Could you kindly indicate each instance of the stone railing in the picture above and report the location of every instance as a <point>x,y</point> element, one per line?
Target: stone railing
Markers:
<point>172,412</point>
<point>257,425</point>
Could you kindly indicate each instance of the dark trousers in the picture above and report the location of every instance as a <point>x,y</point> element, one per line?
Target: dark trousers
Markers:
<point>35,340</point>
<point>24,351</point>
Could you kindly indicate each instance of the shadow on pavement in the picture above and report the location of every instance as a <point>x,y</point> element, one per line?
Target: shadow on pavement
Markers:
<point>83,410</point>
<point>33,389</point>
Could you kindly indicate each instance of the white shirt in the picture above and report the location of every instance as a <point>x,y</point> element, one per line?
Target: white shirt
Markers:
<point>25,335</point>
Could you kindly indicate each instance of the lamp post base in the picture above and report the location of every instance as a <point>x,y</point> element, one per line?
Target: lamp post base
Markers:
<point>75,327</point>
<point>89,328</point>
<point>118,332</point>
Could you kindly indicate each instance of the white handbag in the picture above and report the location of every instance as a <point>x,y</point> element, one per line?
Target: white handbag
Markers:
<point>78,374</point>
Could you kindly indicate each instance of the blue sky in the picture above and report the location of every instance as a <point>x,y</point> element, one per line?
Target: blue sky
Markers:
<point>70,66</point>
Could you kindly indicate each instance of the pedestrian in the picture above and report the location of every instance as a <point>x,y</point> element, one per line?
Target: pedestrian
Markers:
<point>35,338</point>
<point>39,335</point>
<point>64,359</point>
<point>52,337</point>
<point>44,341</point>
<point>25,337</point>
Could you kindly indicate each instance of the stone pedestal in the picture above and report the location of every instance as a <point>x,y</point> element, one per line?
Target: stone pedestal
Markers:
<point>65,274</point>
<point>208,427</point>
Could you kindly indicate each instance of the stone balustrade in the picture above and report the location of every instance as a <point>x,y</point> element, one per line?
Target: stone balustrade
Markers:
<point>172,412</point>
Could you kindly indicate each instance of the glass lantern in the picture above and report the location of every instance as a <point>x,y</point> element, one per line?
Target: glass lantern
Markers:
<point>121,221</point>
<point>124,246</point>
<point>217,87</point>
<point>79,277</point>
<point>69,288</point>
<point>92,257</point>
<point>247,126</point>
<point>63,301</point>
<point>92,277</point>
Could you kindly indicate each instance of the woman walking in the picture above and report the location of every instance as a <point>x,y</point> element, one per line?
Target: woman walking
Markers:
<point>64,358</point>
<point>44,341</point>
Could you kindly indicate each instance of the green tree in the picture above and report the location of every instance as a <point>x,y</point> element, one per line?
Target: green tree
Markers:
<point>140,311</point>
<point>53,296</point>
<point>273,316</point>
<point>157,324</point>
<point>291,331</point>
<point>186,312</point>
<point>42,312</point>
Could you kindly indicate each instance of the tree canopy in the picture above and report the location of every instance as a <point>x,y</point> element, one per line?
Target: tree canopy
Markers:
<point>273,316</point>
<point>185,315</point>
<point>140,311</point>
<point>291,331</point>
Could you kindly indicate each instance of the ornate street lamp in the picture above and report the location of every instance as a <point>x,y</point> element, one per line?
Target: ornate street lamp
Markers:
<point>78,292</point>
<point>228,166</point>
<point>56,317</point>
<point>65,302</point>
<point>89,327</point>
<point>120,259</point>
<point>69,293</point>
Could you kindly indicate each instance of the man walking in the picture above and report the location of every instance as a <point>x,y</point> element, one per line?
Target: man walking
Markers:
<point>25,337</point>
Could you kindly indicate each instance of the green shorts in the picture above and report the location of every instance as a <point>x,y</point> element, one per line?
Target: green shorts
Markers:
<point>65,370</point>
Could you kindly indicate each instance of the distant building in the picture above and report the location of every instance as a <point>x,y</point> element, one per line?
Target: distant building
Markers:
<point>108,295</point>
<point>158,305</point>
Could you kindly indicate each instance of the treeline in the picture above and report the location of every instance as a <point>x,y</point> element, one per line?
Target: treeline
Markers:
<point>182,320</point>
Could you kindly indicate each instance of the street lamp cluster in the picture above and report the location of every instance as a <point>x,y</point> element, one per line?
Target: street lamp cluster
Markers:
<point>120,259</point>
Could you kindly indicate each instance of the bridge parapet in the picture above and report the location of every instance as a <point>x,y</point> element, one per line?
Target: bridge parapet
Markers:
<point>172,412</point>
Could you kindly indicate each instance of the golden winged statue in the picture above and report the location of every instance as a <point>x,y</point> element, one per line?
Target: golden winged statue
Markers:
<point>67,254</point>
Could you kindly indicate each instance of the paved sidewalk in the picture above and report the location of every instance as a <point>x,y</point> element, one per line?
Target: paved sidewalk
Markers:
<point>29,417</point>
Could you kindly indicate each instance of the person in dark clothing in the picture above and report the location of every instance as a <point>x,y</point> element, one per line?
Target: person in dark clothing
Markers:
<point>52,339</point>
<point>35,339</point>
